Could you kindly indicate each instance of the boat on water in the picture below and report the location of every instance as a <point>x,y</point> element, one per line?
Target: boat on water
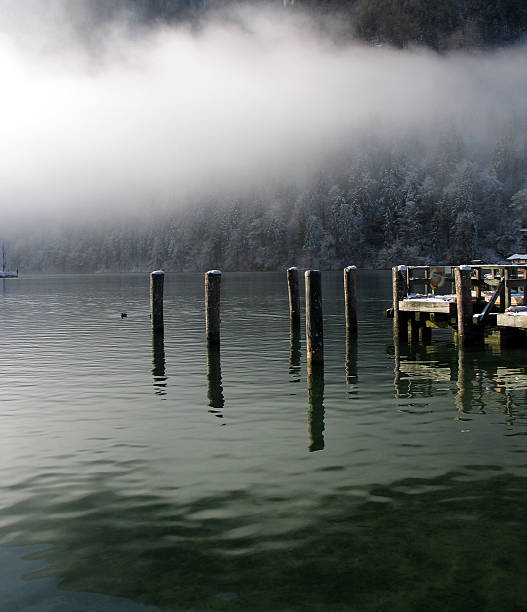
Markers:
<point>6,273</point>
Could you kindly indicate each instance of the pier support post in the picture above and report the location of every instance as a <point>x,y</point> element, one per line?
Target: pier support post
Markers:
<point>314,324</point>
<point>507,289</point>
<point>294,297</point>
<point>212,305</point>
<point>157,280</point>
<point>350,300</point>
<point>465,327</point>
<point>400,290</point>
<point>425,333</point>
<point>294,352</point>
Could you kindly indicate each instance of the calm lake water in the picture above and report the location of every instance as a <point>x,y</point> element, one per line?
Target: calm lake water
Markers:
<point>141,475</point>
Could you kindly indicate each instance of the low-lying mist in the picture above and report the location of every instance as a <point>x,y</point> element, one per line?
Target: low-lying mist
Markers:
<point>146,119</point>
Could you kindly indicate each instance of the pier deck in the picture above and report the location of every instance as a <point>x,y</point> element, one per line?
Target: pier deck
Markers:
<point>468,299</point>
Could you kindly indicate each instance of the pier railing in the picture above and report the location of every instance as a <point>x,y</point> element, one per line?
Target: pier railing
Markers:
<point>486,279</point>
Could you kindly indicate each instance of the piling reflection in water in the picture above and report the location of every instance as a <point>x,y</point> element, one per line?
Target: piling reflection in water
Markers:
<point>465,380</point>
<point>294,353</point>
<point>215,388</point>
<point>351,363</point>
<point>315,413</point>
<point>481,381</point>
<point>159,363</point>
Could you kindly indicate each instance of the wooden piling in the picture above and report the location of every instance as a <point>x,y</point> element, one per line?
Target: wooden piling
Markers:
<point>350,299</point>
<point>294,297</point>
<point>478,285</point>
<point>212,305</point>
<point>399,287</point>
<point>314,324</point>
<point>294,351</point>
<point>507,289</point>
<point>157,280</point>
<point>463,283</point>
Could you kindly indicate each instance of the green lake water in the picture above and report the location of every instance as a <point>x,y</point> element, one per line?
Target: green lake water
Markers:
<point>141,474</point>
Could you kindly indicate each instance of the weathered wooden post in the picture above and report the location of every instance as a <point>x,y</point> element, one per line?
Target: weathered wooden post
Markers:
<point>315,414</point>
<point>294,352</point>
<point>294,297</point>
<point>350,299</point>
<point>314,324</point>
<point>212,305</point>
<point>478,285</point>
<point>523,275</point>
<point>463,283</point>
<point>400,290</point>
<point>157,280</point>
<point>427,280</point>
<point>507,289</point>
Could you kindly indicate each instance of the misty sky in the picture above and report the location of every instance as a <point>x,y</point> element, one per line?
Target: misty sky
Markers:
<point>125,120</point>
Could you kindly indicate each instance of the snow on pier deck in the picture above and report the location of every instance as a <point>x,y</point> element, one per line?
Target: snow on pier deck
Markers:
<point>514,317</point>
<point>429,303</point>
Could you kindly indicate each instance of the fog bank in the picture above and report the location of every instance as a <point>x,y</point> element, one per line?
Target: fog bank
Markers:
<point>152,119</point>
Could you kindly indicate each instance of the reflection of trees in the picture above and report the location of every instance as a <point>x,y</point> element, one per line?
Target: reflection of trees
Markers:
<point>410,545</point>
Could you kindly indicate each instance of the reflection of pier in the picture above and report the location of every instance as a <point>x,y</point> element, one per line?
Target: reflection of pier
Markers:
<point>158,362</point>
<point>481,380</point>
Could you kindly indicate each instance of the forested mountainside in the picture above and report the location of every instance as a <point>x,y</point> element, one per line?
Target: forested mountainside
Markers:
<point>382,208</point>
<point>407,155</point>
<point>440,24</point>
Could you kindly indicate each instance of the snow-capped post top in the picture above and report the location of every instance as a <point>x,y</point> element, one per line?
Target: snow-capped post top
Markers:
<point>351,268</point>
<point>158,272</point>
<point>293,268</point>
<point>401,268</point>
<point>214,272</point>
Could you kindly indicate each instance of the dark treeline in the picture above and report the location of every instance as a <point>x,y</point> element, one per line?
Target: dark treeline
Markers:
<point>441,24</point>
<point>380,207</point>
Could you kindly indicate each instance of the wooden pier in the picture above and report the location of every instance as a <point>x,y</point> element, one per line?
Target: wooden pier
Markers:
<point>473,301</point>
